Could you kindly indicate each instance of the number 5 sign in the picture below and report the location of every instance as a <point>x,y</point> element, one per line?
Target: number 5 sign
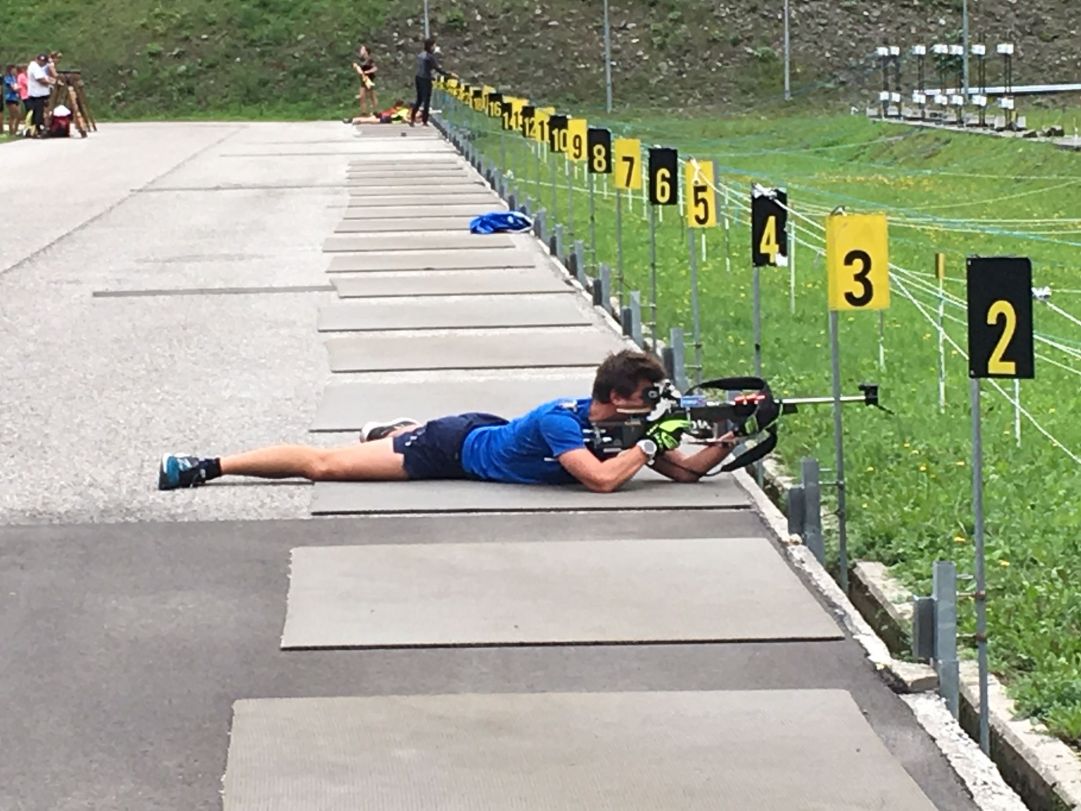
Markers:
<point>699,196</point>
<point>858,262</point>
<point>1000,317</point>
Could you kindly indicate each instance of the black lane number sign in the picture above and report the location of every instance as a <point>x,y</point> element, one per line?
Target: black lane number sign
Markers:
<point>557,133</point>
<point>663,176</point>
<point>1000,317</point>
<point>599,145</point>
<point>769,218</point>
<point>528,120</point>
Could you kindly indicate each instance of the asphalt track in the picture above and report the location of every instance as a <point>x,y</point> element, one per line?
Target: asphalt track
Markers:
<point>133,620</point>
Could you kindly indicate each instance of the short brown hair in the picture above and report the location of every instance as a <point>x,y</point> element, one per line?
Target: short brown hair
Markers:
<point>623,371</point>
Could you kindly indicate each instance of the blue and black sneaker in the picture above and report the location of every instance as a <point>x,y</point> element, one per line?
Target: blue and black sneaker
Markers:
<point>181,471</point>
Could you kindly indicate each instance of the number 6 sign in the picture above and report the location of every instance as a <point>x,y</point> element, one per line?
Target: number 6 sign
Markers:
<point>858,262</point>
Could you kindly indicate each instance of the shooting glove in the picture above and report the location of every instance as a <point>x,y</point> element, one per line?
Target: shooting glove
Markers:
<point>668,432</point>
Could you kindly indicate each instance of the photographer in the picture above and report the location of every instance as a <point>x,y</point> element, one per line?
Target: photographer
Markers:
<point>545,446</point>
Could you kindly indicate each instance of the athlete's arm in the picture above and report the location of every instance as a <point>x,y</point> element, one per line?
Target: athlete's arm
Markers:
<point>690,467</point>
<point>607,476</point>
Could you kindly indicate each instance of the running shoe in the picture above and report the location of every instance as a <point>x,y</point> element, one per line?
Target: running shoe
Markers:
<point>372,431</point>
<point>181,471</point>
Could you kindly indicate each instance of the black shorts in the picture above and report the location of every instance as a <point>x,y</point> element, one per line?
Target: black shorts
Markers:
<point>434,451</point>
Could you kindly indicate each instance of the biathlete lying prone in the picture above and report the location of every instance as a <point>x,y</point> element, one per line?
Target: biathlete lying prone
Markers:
<point>548,445</point>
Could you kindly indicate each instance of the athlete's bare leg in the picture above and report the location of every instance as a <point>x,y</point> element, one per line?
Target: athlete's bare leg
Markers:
<point>366,461</point>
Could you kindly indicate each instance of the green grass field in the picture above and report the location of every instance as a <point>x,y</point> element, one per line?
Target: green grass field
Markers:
<point>909,474</point>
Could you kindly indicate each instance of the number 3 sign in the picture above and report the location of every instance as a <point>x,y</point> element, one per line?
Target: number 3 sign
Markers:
<point>858,262</point>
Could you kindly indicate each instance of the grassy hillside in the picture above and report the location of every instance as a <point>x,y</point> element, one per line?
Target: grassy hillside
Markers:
<point>290,58</point>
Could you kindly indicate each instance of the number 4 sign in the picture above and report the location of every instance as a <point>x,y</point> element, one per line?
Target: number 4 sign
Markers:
<point>1000,317</point>
<point>769,218</point>
<point>858,262</point>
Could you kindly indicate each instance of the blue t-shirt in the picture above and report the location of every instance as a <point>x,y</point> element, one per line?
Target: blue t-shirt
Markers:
<point>11,89</point>
<point>526,449</point>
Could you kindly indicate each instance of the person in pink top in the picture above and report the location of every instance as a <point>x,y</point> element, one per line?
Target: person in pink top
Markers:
<point>24,88</point>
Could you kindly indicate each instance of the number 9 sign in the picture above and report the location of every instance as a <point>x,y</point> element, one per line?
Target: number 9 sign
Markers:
<point>858,262</point>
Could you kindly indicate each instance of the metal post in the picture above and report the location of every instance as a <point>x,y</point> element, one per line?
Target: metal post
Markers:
<point>679,374</point>
<point>427,29</point>
<point>696,326</point>
<point>839,453</point>
<point>756,318</point>
<point>1017,411</point>
<point>964,44</point>
<point>607,60</point>
<point>812,508</point>
<point>652,278</point>
<point>619,245</point>
<point>602,288</point>
<point>941,334</point>
<point>792,270</point>
<point>632,324</point>
<point>882,339</point>
<point>555,198</point>
<point>787,57</point>
<point>944,592</point>
<point>981,578</point>
<point>592,220</point>
<point>580,263</point>
<point>567,167</point>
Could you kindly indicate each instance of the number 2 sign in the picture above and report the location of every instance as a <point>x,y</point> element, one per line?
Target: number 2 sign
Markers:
<point>1000,317</point>
<point>858,262</point>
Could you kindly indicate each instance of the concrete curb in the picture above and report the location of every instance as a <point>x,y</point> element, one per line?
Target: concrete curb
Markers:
<point>981,777</point>
<point>1041,768</point>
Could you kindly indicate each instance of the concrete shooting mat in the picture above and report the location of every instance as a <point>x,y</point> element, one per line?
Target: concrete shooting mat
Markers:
<point>396,199</point>
<point>412,185</point>
<point>347,406</point>
<point>411,225</point>
<point>466,312</point>
<point>359,211</point>
<point>541,348</point>
<point>444,191</point>
<point>547,592</point>
<point>416,175</point>
<point>505,281</point>
<point>429,241</point>
<point>377,261</point>
<point>767,750</point>
<point>646,491</point>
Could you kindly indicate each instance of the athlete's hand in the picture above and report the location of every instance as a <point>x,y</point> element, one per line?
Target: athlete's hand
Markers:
<point>667,432</point>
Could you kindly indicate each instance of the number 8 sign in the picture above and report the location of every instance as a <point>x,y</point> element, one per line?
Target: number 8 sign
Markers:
<point>1000,317</point>
<point>858,262</point>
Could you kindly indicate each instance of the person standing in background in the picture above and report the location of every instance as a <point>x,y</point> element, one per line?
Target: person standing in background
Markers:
<point>427,62</point>
<point>366,70</point>
<point>39,85</point>
<point>24,91</point>
<point>12,100</point>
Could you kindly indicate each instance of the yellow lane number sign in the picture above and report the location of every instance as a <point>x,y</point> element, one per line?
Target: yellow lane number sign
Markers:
<point>628,168</point>
<point>699,194</point>
<point>858,262</point>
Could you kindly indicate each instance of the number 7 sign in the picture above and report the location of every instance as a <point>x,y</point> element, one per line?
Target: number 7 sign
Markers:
<point>858,262</point>
<point>628,168</point>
